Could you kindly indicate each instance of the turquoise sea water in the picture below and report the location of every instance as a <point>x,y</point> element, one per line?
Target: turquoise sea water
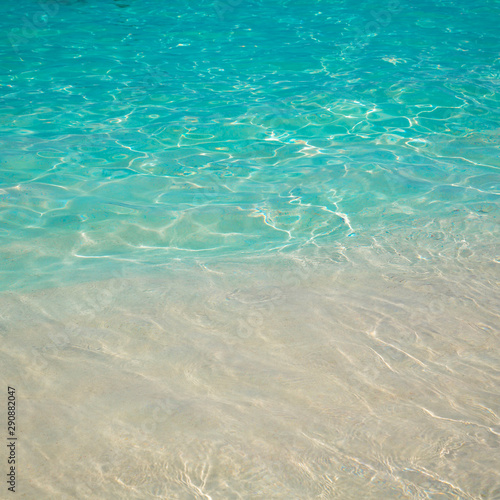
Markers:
<point>136,133</point>
<point>166,168</point>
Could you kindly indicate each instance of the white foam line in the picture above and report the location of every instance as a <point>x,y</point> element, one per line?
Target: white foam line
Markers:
<point>465,422</point>
<point>425,472</point>
<point>190,483</point>
<point>345,218</point>
<point>383,360</point>
<point>403,352</point>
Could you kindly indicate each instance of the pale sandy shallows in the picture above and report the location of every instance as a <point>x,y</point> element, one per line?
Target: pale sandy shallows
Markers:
<point>286,378</point>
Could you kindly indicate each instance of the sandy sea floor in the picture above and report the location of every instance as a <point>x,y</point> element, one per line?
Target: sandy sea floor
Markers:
<point>345,374</point>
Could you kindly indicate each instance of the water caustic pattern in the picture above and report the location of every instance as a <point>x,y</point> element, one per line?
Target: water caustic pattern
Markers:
<point>143,132</point>
<point>273,379</point>
<point>257,241</point>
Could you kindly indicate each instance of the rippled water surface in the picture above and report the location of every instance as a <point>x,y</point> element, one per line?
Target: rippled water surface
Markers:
<point>249,249</point>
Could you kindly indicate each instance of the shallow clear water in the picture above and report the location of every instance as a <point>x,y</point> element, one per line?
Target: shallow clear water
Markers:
<point>249,249</point>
